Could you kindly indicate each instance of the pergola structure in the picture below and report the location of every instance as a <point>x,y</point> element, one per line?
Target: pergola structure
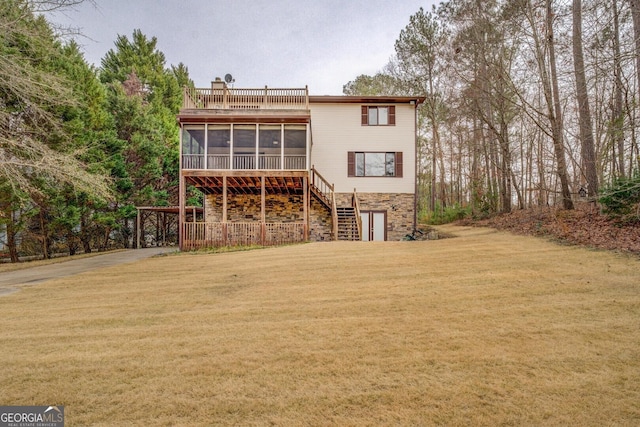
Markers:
<point>162,212</point>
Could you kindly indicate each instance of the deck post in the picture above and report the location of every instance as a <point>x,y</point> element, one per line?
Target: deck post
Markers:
<point>263,213</point>
<point>224,199</point>
<point>224,210</point>
<point>137,228</point>
<point>305,202</point>
<point>181,214</point>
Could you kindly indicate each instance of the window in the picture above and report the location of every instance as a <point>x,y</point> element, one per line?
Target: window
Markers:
<point>378,115</point>
<point>374,164</point>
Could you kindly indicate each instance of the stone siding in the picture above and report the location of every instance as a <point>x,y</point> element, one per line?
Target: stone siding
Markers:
<point>320,222</point>
<point>399,208</point>
<point>246,208</point>
<point>288,208</point>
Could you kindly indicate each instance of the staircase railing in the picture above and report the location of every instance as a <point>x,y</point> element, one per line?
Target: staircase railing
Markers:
<point>334,216</point>
<point>326,193</point>
<point>322,188</point>
<point>355,203</point>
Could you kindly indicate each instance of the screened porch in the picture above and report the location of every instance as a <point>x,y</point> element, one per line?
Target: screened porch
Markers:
<point>245,146</point>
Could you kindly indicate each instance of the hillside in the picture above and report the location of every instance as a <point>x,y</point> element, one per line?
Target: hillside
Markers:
<point>584,226</point>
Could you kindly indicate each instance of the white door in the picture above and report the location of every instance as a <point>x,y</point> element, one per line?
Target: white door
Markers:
<point>374,225</point>
<point>365,226</point>
<point>379,225</point>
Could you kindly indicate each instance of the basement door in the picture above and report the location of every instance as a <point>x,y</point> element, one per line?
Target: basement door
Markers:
<point>374,225</point>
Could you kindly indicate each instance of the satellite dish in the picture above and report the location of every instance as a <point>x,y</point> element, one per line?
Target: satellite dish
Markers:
<point>228,78</point>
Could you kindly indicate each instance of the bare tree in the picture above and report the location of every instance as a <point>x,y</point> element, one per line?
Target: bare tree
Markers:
<point>635,13</point>
<point>555,111</point>
<point>584,112</point>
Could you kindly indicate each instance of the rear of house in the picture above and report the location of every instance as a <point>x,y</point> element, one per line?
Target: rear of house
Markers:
<point>279,166</point>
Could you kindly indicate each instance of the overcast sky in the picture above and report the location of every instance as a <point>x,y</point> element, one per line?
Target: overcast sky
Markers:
<point>279,43</point>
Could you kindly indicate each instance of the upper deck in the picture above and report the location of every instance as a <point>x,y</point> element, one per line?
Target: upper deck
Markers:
<point>245,129</point>
<point>221,97</point>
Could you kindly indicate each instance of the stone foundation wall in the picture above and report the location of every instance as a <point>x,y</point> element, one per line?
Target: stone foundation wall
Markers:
<point>320,222</point>
<point>288,208</point>
<point>246,208</point>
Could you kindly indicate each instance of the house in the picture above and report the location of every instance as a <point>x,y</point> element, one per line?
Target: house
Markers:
<point>279,166</point>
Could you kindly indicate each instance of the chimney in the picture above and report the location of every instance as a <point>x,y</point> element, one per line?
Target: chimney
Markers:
<point>218,84</point>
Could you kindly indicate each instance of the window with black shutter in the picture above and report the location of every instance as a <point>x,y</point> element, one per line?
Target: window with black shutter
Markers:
<point>378,115</point>
<point>376,164</point>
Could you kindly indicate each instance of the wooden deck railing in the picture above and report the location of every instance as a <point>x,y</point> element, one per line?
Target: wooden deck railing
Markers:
<point>198,235</point>
<point>245,161</point>
<point>246,99</point>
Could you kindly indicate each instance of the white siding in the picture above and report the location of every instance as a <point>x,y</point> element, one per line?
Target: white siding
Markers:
<point>336,129</point>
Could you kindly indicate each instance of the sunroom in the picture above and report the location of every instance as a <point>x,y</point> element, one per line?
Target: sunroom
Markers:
<point>245,146</point>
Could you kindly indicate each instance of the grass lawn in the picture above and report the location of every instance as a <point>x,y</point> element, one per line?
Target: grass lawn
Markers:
<point>483,329</point>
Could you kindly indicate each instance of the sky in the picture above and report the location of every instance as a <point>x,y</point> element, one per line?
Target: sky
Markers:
<point>322,44</point>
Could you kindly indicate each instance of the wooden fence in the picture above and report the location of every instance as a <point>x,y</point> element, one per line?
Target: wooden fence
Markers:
<point>198,235</point>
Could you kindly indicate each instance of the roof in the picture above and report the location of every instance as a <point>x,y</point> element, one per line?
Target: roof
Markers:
<point>349,99</point>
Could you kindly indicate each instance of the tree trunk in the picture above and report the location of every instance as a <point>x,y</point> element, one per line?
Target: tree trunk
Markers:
<point>584,113</point>
<point>12,243</point>
<point>635,13</point>
<point>618,113</point>
<point>85,236</point>
<point>44,235</point>
<point>556,117</point>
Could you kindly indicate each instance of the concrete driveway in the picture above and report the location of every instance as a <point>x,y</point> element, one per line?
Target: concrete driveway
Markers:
<point>11,281</point>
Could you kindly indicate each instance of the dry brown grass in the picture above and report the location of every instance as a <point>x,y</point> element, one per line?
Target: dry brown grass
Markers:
<point>483,329</point>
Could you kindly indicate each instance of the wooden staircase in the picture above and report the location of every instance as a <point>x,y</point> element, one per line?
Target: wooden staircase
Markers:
<point>345,219</point>
<point>347,224</point>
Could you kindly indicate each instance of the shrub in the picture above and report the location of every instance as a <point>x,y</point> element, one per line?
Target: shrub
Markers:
<point>444,215</point>
<point>621,200</point>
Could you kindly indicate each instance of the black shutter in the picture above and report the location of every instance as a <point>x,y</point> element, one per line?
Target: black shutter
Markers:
<point>399,164</point>
<point>392,115</point>
<point>365,115</point>
<point>351,163</point>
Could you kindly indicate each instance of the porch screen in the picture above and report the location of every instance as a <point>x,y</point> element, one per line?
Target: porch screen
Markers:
<point>218,146</point>
<point>193,146</point>
<point>244,146</point>
<point>270,146</point>
<point>193,139</point>
<point>295,146</point>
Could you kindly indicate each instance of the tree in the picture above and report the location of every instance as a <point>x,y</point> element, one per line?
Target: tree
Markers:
<point>37,151</point>
<point>584,112</point>
<point>419,65</point>
<point>635,13</point>
<point>380,84</point>
<point>144,97</point>
<point>32,138</point>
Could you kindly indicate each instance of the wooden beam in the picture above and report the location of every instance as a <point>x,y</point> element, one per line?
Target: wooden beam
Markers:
<point>245,173</point>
